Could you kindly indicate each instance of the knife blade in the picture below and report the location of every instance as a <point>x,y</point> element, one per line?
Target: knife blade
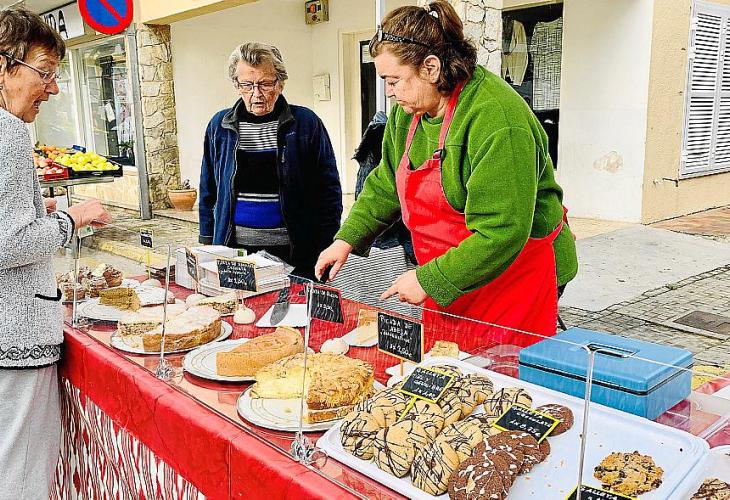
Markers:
<point>281,307</point>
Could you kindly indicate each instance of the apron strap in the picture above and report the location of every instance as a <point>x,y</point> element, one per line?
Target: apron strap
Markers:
<point>551,237</point>
<point>448,117</point>
<point>450,110</point>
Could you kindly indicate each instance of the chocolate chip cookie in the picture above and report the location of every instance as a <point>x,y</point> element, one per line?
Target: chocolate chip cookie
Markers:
<point>630,474</point>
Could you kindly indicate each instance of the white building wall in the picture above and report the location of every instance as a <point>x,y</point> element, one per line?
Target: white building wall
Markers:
<point>202,45</point>
<point>603,106</point>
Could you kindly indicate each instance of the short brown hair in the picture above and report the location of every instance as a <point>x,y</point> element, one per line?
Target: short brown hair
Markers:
<point>437,30</point>
<point>20,31</point>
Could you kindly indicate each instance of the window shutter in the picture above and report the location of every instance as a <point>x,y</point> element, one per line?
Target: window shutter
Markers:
<point>704,62</point>
<point>721,158</point>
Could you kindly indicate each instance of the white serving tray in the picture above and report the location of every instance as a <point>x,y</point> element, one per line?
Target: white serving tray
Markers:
<point>715,465</point>
<point>677,452</point>
<point>117,342</point>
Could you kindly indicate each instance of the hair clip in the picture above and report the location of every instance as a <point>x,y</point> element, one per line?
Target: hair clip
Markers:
<point>433,14</point>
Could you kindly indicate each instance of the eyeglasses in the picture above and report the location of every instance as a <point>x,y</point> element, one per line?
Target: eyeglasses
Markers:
<point>46,76</point>
<point>384,36</point>
<point>263,86</point>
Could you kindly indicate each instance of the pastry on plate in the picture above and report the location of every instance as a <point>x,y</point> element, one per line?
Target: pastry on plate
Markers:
<point>333,384</point>
<point>120,297</point>
<point>224,304</point>
<point>445,348</point>
<point>246,359</point>
<point>196,326</point>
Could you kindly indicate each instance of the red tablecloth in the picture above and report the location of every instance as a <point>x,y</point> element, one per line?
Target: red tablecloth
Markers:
<point>201,437</point>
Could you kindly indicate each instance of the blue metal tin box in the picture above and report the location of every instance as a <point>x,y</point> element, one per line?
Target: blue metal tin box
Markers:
<point>630,375</point>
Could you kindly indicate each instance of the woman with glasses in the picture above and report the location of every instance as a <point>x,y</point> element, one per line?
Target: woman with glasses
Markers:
<point>269,178</point>
<point>31,231</point>
<point>466,165</point>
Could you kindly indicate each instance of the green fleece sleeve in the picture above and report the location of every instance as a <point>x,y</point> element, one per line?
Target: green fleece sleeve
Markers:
<point>501,193</point>
<point>377,207</point>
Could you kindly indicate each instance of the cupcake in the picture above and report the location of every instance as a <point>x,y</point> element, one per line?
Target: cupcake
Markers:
<point>113,277</point>
<point>96,284</point>
<point>69,289</point>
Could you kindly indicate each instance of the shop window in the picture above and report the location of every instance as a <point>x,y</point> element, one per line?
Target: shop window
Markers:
<point>706,137</point>
<point>108,101</point>
<point>57,120</point>
<point>531,62</point>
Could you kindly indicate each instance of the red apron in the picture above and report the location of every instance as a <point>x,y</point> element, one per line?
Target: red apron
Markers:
<point>524,297</point>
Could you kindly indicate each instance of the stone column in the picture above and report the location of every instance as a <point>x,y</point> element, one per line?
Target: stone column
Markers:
<point>158,111</point>
<point>483,24</point>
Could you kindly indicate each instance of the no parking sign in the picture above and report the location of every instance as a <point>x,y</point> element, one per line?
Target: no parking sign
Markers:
<point>107,16</point>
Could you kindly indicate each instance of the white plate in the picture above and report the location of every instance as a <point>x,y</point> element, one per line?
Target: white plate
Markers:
<point>715,465</point>
<point>394,371</point>
<point>279,414</point>
<point>351,339</point>
<point>609,430</point>
<point>201,361</point>
<point>92,309</point>
<point>117,342</point>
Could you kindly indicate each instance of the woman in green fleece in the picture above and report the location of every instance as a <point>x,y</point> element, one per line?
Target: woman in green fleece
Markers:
<point>466,164</point>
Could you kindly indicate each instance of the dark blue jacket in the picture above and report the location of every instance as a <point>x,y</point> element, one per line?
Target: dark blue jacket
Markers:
<point>309,184</point>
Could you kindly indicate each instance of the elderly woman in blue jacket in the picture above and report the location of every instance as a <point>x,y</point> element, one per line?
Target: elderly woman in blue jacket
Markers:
<point>269,178</point>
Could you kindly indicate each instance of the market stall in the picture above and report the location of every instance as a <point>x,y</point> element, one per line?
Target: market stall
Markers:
<point>279,388</point>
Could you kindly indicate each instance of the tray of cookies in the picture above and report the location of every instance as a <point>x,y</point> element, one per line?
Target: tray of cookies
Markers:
<point>452,449</point>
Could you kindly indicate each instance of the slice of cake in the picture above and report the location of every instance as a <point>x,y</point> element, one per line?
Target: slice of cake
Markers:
<point>246,359</point>
<point>146,318</point>
<point>121,297</point>
<point>224,304</point>
<point>332,383</point>
<point>445,348</point>
<point>196,326</point>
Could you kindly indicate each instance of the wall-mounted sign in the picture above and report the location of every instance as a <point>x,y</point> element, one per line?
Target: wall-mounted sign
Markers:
<point>107,16</point>
<point>66,20</point>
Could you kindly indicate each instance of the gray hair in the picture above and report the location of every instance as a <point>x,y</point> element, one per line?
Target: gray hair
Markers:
<point>257,54</point>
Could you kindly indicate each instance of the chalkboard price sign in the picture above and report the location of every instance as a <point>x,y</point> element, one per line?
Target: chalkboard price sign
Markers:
<point>145,238</point>
<point>592,493</point>
<point>327,304</point>
<point>192,264</point>
<point>424,383</point>
<point>400,337</point>
<point>521,418</point>
<point>237,274</point>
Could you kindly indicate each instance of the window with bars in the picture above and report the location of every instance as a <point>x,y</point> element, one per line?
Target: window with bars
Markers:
<point>706,141</point>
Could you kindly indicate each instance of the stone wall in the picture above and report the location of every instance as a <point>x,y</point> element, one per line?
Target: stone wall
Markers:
<point>158,111</point>
<point>483,24</point>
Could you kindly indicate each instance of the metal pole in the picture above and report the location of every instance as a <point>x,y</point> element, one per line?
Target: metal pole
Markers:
<point>145,207</point>
<point>381,101</point>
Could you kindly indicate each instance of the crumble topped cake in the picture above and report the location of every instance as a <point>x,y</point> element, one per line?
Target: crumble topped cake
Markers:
<point>332,384</point>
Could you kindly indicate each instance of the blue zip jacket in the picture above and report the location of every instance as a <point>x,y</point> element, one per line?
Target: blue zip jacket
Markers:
<point>309,184</point>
